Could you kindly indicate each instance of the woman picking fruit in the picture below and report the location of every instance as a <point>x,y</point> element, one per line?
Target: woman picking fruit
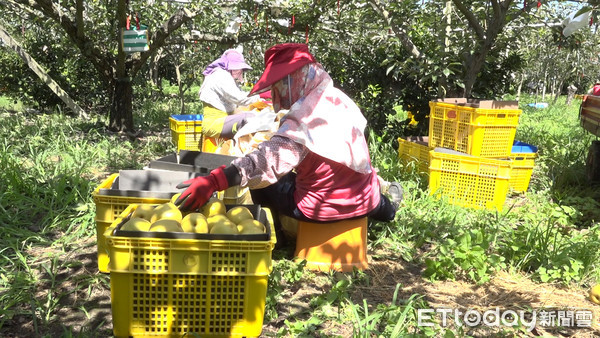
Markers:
<point>220,95</point>
<point>317,166</point>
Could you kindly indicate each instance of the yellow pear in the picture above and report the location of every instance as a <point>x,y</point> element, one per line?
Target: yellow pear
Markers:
<point>595,294</point>
<point>251,230</point>
<point>136,224</point>
<point>239,214</point>
<point>175,197</point>
<point>144,211</point>
<point>214,206</point>
<point>251,226</point>
<point>219,219</point>
<point>166,225</point>
<point>166,211</point>
<point>224,228</point>
<point>195,222</point>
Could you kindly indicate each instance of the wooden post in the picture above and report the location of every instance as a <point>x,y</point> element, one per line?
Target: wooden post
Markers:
<point>40,72</point>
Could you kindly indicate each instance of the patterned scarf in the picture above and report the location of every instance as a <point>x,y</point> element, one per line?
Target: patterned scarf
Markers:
<point>322,117</point>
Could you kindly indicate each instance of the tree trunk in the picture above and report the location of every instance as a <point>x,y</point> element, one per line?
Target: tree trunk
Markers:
<point>558,89</point>
<point>79,18</point>
<point>443,80</point>
<point>121,110</point>
<point>154,69</point>
<point>520,87</point>
<point>571,90</point>
<point>473,67</point>
<point>182,100</point>
<point>180,88</point>
<point>544,85</point>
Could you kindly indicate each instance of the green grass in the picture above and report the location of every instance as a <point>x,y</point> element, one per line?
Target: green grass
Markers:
<point>10,104</point>
<point>545,237</point>
<point>52,163</point>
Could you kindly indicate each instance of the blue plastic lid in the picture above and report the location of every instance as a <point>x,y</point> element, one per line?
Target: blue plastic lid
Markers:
<point>191,117</point>
<point>522,147</point>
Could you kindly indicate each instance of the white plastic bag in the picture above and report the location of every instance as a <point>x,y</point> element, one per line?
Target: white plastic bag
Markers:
<point>573,23</point>
<point>264,120</point>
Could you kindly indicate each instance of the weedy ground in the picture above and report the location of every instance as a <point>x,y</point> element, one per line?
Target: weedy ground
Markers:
<point>542,251</point>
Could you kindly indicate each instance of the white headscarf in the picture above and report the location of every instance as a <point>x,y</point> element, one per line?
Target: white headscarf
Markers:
<point>322,117</point>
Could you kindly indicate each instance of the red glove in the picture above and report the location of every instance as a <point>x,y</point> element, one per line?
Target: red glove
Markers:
<point>200,189</point>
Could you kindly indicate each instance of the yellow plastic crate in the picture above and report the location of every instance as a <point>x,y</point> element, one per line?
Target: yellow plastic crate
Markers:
<point>523,156</point>
<point>415,149</point>
<point>469,181</point>
<point>181,287</point>
<point>178,305</point>
<point>475,131</point>
<point>108,209</point>
<point>225,256</point>
<point>186,131</point>
<point>186,134</point>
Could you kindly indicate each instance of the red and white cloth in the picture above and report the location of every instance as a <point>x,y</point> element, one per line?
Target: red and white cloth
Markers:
<point>322,138</point>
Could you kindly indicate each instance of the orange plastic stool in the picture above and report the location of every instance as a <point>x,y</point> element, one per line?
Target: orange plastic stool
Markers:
<point>338,246</point>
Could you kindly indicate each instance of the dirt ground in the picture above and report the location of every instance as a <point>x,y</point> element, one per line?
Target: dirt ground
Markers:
<point>505,291</point>
<point>87,311</point>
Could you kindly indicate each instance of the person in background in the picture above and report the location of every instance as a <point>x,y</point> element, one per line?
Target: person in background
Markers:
<point>595,90</point>
<point>317,166</point>
<point>221,95</point>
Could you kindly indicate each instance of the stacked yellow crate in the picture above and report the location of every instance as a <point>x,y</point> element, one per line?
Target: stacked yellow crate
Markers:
<point>186,284</point>
<point>472,154</point>
<point>480,128</point>
<point>415,149</point>
<point>469,181</point>
<point>523,156</point>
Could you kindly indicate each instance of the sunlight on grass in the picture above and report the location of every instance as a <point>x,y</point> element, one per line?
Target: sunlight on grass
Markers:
<point>10,104</point>
<point>462,243</point>
<point>52,163</point>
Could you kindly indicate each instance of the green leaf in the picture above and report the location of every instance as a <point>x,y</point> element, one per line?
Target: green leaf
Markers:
<point>449,334</point>
<point>464,241</point>
<point>389,69</point>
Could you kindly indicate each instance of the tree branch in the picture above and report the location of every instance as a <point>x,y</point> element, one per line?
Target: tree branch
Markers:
<point>79,18</point>
<point>400,32</point>
<point>471,19</point>
<point>496,7</point>
<point>85,45</point>
<point>160,36</point>
<point>40,72</point>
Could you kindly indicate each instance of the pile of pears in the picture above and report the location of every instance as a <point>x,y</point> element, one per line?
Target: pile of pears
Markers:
<point>213,218</point>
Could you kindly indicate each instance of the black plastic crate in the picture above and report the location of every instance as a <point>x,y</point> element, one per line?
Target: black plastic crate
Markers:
<point>191,161</point>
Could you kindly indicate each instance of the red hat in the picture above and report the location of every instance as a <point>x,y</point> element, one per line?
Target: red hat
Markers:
<point>281,60</point>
